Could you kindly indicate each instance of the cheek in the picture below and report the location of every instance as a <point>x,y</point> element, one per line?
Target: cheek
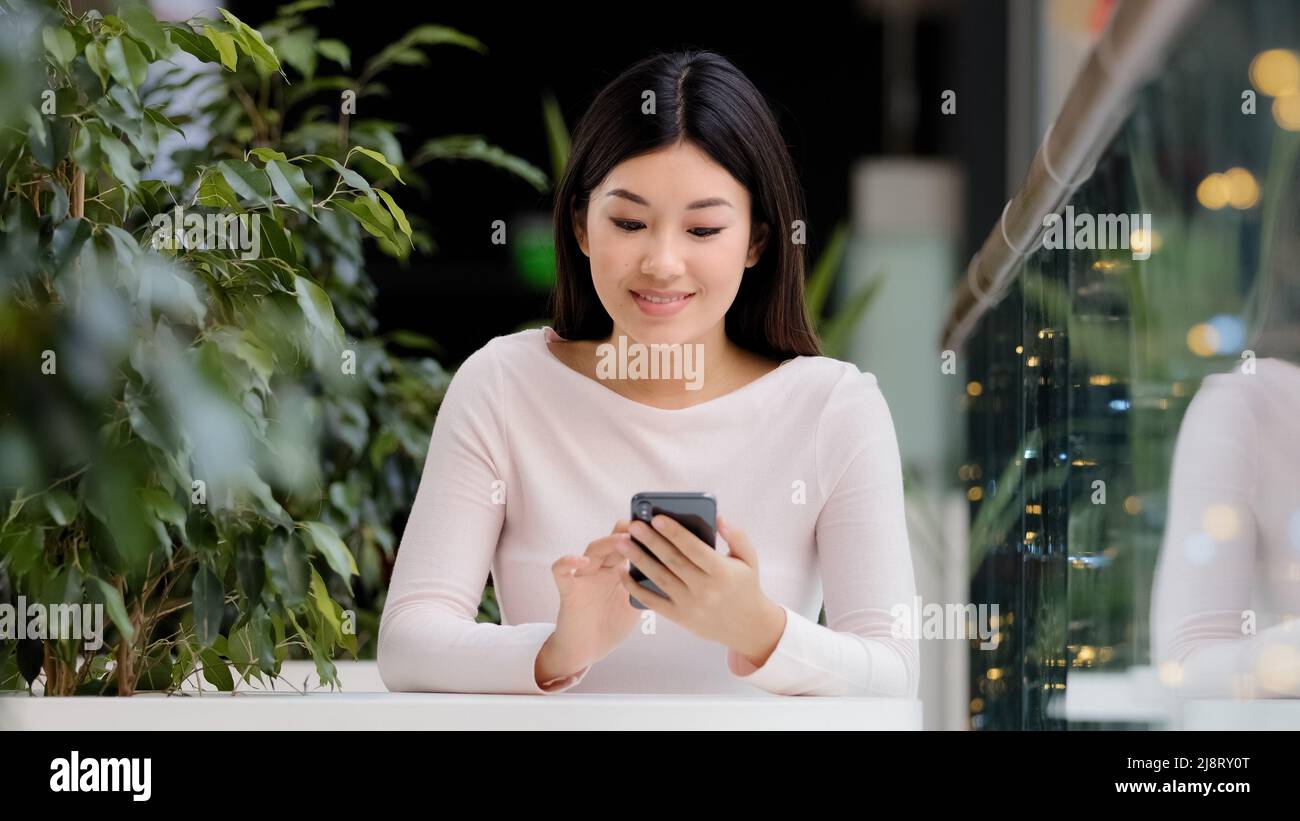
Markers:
<point>718,267</point>
<point>611,253</point>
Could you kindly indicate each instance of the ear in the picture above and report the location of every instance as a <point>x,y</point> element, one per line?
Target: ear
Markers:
<point>580,229</point>
<point>757,242</point>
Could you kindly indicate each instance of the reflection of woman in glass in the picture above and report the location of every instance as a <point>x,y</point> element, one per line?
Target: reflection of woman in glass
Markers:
<point>1226,605</point>
<point>676,223</point>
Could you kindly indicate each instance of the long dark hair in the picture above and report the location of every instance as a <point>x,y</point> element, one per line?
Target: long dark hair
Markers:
<point>701,97</point>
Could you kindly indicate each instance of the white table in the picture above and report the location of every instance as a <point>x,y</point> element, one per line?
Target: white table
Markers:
<point>1136,696</point>
<point>363,706</point>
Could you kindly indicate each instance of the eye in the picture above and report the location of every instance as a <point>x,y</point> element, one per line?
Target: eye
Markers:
<point>628,225</point>
<point>710,232</point>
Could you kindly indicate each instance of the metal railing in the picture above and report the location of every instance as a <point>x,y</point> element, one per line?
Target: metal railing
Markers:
<point>1125,56</point>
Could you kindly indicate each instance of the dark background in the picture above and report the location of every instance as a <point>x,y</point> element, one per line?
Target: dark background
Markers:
<point>821,66</point>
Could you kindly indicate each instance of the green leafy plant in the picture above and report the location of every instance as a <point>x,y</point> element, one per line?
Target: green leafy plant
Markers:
<point>203,437</point>
<point>837,329</point>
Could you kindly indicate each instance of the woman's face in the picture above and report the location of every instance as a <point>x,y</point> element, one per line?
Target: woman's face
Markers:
<point>671,224</point>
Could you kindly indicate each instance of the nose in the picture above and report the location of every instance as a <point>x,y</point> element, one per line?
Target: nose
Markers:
<point>663,259</point>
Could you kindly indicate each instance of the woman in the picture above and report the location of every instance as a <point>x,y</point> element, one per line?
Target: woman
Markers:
<point>1225,606</point>
<point>677,224</point>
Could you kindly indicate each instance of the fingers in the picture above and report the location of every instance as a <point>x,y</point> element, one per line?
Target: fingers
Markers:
<point>738,544</point>
<point>652,601</point>
<point>603,547</point>
<point>684,540</point>
<point>570,566</point>
<point>662,548</point>
<point>620,526</point>
<point>654,569</point>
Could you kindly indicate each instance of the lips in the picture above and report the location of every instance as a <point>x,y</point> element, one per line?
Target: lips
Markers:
<point>663,297</point>
<point>661,303</point>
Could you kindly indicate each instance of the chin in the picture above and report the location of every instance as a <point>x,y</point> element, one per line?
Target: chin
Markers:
<point>672,332</point>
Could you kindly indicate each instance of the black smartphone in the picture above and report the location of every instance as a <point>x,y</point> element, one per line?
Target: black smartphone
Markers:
<point>697,512</point>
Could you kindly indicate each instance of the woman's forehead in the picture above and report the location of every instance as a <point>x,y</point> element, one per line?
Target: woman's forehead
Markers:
<point>672,179</point>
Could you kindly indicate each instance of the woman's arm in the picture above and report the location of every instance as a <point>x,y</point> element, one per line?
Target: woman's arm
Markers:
<point>1206,571</point>
<point>428,637</point>
<point>866,563</point>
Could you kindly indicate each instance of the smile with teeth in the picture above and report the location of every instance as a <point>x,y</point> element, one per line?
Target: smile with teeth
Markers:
<point>659,300</point>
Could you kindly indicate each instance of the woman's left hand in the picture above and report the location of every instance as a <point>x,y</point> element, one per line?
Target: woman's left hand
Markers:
<point>716,597</point>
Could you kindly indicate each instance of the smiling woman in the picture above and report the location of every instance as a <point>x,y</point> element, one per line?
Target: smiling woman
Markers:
<point>675,226</point>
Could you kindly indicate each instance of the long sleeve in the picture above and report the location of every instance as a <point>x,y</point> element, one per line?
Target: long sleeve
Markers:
<point>428,637</point>
<point>1205,576</point>
<point>866,563</point>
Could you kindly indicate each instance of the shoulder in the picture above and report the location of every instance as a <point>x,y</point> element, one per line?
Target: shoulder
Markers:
<point>852,408</point>
<point>842,388</point>
<point>1237,410</point>
<point>478,379</point>
<point>498,352</point>
<point>1230,396</point>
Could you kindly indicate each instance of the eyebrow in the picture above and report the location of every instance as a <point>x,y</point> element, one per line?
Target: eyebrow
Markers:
<point>639,200</point>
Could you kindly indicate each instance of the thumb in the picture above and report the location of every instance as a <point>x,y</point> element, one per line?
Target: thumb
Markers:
<point>737,542</point>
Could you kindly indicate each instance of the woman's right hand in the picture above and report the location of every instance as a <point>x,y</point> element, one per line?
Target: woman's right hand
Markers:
<point>595,612</point>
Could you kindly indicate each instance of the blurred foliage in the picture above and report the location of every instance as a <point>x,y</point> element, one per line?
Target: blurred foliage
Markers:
<point>836,330</point>
<point>203,435</point>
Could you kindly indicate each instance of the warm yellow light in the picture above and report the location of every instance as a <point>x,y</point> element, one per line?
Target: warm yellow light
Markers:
<point>1171,674</point>
<point>1220,521</point>
<point>1213,192</point>
<point>974,494</point>
<point>1276,72</point>
<point>1278,667</point>
<point>1243,191</point>
<point>1143,241</point>
<point>1286,111</point>
<point>974,388</point>
<point>1203,339</point>
<point>1132,505</point>
<point>1020,349</point>
<point>1032,361</point>
<point>994,673</point>
<point>1101,379</point>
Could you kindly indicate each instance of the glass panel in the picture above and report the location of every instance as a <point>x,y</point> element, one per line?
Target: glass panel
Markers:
<point>1135,483</point>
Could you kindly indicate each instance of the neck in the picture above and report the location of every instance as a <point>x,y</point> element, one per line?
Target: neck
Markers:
<point>716,360</point>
